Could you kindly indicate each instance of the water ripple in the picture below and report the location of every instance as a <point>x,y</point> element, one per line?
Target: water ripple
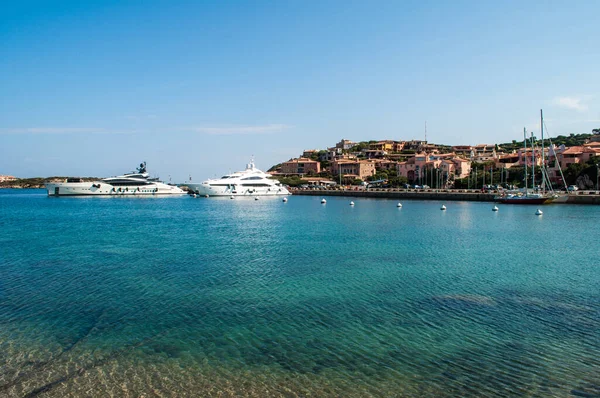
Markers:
<point>177,296</point>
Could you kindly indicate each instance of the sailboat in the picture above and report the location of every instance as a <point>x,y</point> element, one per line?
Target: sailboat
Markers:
<point>526,197</point>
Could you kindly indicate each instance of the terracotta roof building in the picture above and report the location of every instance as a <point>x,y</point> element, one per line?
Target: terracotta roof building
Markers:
<point>300,166</point>
<point>353,168</point>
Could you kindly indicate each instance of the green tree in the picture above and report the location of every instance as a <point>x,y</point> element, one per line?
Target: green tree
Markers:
<point>397,181</point>
<point>381,175</point>
<point>292,181</point>
<point>594,160</point>
<point>461,183</point>
<point>273,168</point>
<point>573,171</point>
<point>570,140</point>
<point>360,146</point>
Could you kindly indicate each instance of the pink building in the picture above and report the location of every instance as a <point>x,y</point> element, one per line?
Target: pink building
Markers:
<point>300,166</point>
<point>462,167</point>
<point>559,158</point>
<point>385,164</point>
<point>507,161</point>
<point>309,153</point>
<point>423,167</point>
<point>576,154</point>
<point>360,169</point>
<point>463,150</point>
<point>526,157</point>
<point>406,169</point>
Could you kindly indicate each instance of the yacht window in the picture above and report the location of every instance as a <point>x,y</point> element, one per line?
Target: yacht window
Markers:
<point>255,185</point>
<point>128,183</point>
<point>252,178</point>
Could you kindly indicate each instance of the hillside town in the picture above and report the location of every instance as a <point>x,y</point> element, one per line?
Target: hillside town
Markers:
<point>7,178</point>
<point>418,163</point>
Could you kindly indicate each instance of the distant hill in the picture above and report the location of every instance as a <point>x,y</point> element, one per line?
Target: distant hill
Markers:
<point>36,182</point>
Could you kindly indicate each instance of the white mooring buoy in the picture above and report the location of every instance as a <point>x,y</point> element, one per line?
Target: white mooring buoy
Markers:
<point>194,195</point>
<point>351,203</point>
<point>206,196</point>
<point>539,212</point>
<point>256,198</point>
<point>443,207</point>
<point>495,208</point>
<point>323,201</point>
<point>284,199</point>
<point>231,197</point>
<point>399,204</point>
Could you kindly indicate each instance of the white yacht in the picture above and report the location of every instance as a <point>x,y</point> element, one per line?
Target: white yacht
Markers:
<point>249,182</point>
<point>132,184</point>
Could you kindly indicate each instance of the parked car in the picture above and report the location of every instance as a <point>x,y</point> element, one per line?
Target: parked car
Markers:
<point>572,188</point>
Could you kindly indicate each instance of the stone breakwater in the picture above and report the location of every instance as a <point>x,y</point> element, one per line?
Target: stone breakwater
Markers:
<point>585,197</point>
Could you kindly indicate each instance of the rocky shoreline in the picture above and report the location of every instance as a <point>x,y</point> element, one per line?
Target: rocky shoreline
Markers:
<point>21,186</point>
<point>36,182</point>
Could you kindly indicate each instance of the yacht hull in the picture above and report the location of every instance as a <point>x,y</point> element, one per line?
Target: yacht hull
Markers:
<point>99,188</point>
<point>205,189</point>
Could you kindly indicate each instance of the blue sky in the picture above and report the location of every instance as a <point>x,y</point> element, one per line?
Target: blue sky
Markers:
<point>197,88</point>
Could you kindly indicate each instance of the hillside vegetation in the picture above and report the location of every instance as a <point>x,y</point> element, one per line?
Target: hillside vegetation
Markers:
<point>36,182</point>
<point>568,141</point>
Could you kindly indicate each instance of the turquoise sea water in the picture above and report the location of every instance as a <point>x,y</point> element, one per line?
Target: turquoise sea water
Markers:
<point>218,297</point>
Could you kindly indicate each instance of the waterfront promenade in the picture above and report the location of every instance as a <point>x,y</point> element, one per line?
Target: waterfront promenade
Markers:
<point>473,195</point>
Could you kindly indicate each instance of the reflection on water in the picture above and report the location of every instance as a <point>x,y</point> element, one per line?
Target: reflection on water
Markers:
<point>202,297</point>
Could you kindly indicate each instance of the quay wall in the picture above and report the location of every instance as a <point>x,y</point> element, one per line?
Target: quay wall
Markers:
<point>476,196</point>
<point>584,199</point>
<point>591,197</point>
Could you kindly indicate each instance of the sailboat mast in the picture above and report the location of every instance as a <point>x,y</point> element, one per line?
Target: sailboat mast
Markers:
<point>532,163</point>
<point>543,157</point>
<point>525,156</point>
